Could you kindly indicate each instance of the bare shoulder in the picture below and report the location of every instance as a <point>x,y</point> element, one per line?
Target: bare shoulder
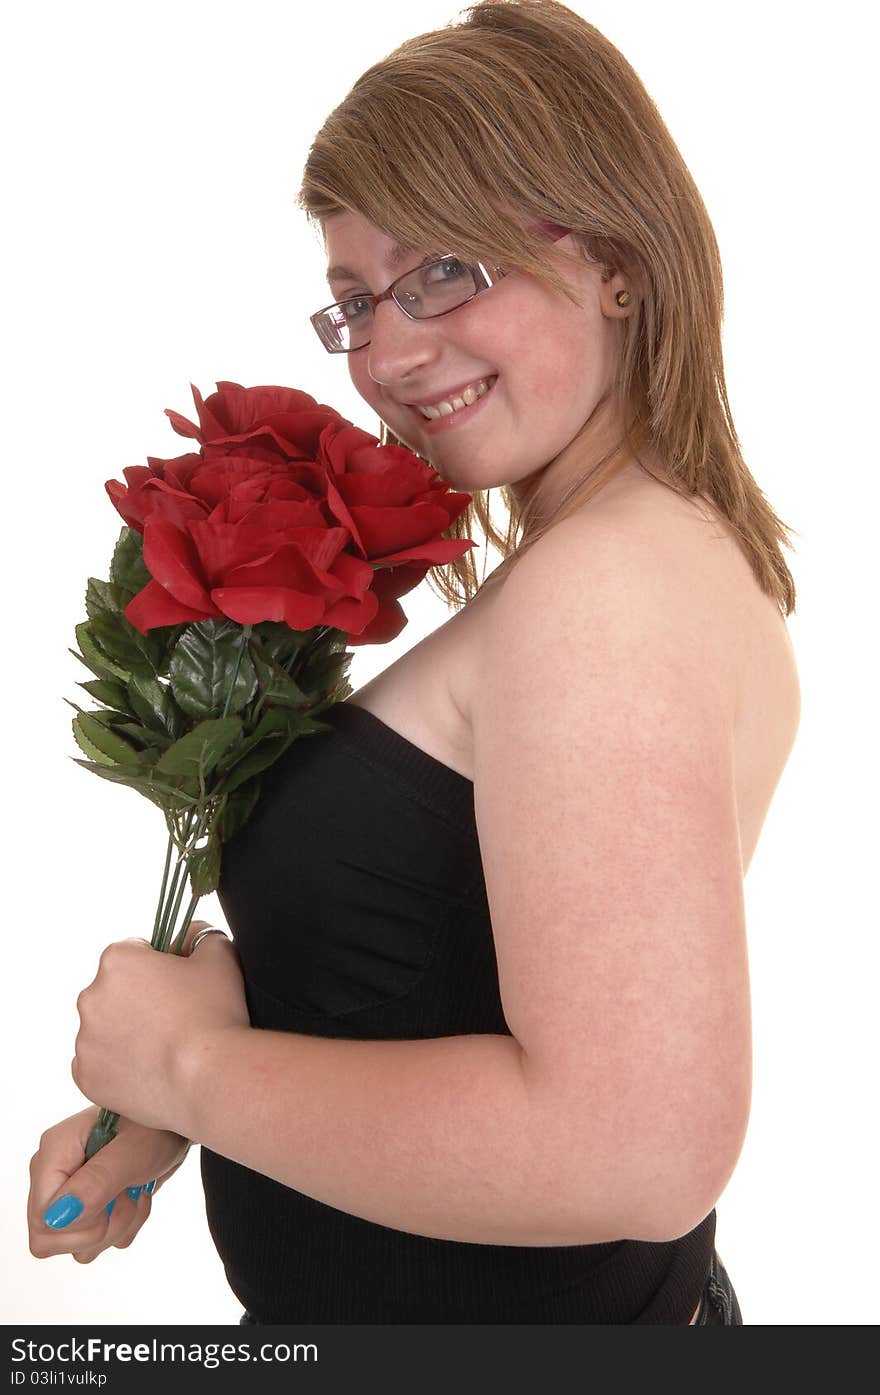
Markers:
<point>642,550</point>
<point>641,530</point>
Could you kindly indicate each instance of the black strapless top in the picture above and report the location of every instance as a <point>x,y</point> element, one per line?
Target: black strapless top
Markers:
<point>356,897</point>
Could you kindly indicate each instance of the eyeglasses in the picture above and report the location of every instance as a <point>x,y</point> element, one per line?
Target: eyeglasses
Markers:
<point>433,289</point>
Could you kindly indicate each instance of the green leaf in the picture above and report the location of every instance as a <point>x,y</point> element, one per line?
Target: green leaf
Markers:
<point>279,642</point>
<point>105,715</point>
<point>125,646</point>
<point>152,701</point>
<point>204,868</point>
<point>261,749</point>
<point>197,753</point>
<point>104,598</point>
<point>86,746</point>
<point>128,568</point>
<point>147,739</point>
<point>271,723</point>
<point>167,637</point>
<point>100,743</point>
<point>277,687</point>
<point>203,664</point>
<point>308,724</point>
<point>276,731</point>
<point>238,808</point>
<point>107,690</point>
<point>94,658</point>
<point>166,796</point>
<point>324,671</point>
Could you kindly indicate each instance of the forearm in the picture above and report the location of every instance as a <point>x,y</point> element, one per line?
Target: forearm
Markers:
<point>439,1137</point>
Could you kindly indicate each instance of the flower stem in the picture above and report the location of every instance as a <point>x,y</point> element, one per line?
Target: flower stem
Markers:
<point>157,923</point>
<point>180,877</point>
<point>177,944</point>
<point>167,919</point>
<point>103,1131</point>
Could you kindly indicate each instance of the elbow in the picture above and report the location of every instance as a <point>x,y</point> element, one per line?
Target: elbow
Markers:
<point>668,1197</point>
<point>692,1163</point>
<point>651,1175</point>
<point>678,1196</point>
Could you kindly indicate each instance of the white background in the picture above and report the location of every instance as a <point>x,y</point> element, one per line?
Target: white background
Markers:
<point>151,159</point>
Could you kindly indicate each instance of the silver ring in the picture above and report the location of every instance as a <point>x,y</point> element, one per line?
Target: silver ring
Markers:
<point>211,930</point>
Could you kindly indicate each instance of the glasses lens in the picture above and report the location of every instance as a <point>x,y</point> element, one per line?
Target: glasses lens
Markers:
<point>345,326</point>
<point>434,289</point>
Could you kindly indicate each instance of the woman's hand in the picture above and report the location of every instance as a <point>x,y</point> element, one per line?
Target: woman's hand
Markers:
<point>145,1015</point>
<point>136,1155</point>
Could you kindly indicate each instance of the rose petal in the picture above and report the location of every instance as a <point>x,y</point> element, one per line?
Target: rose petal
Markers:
<point>391,531</point>
<point>436,552</point>
<point>223,547</point>
<point>385,622</point>
<point>308,562</point>
<point>155,606</point>
<point>249,605</point>
<point>171,559</point>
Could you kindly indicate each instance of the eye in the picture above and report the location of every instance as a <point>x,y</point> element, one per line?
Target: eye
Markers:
<point>446,269</point>
<point>354,309</point>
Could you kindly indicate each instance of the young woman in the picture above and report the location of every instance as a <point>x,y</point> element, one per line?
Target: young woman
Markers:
<point>481,1049</point>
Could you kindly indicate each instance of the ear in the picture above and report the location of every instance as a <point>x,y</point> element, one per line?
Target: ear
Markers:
<point>617,281</point>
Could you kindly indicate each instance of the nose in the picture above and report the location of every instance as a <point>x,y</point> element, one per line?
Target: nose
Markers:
<point>399,346</point>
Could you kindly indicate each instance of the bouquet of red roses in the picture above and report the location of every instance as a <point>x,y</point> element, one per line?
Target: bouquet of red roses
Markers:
<point>243,571</point>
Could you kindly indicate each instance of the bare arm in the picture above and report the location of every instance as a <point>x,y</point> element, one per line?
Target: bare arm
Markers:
<point>440,1137</point>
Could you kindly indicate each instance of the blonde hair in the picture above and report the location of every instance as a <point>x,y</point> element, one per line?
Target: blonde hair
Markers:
<point>519,113</point>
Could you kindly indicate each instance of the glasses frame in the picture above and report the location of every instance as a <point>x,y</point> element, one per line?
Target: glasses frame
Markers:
<point>480,271</point>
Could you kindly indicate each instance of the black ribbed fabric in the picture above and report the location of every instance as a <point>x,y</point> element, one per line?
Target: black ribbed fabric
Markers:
<point>356,897</point>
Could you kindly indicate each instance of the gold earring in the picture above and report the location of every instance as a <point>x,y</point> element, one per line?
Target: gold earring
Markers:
<point>623,298</point>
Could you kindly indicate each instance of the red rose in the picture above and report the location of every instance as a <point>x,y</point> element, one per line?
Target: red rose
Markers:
<point>287,512</point>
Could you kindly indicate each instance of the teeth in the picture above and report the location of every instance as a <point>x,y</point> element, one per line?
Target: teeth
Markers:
<point>469,396</point>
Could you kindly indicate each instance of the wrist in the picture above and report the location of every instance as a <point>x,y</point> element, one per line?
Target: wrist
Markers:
<point>197,1068</point>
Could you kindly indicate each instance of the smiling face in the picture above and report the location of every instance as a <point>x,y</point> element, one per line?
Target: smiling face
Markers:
<point>553,364</point>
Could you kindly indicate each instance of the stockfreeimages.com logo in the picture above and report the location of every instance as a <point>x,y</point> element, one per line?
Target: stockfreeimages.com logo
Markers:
<point>94,1349</point>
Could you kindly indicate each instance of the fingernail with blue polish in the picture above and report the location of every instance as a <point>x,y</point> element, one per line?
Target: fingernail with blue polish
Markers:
<point>134,1192</point>
<point>110,1205</point>
<point>151,1186</point>
<point>63,1211</point>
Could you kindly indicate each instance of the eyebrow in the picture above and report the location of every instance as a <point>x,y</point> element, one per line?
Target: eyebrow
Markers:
<point>397,256</point>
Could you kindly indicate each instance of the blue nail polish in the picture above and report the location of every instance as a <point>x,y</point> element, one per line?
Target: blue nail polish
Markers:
<point>110,1205</point>
<point>134,1192</point>
<point>63,1211</point>
<point>151,1186</point>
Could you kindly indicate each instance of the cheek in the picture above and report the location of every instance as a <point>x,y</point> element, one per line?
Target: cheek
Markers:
<point>541,340</point>
<point>566,365</point>
<point>560,380</point>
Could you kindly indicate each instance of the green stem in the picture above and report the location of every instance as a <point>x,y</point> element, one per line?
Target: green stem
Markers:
<point>158,921</point>
<point>166,920</point>
<point>177,944</point>
<point>103,1130</point>
<point>180,877</point>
